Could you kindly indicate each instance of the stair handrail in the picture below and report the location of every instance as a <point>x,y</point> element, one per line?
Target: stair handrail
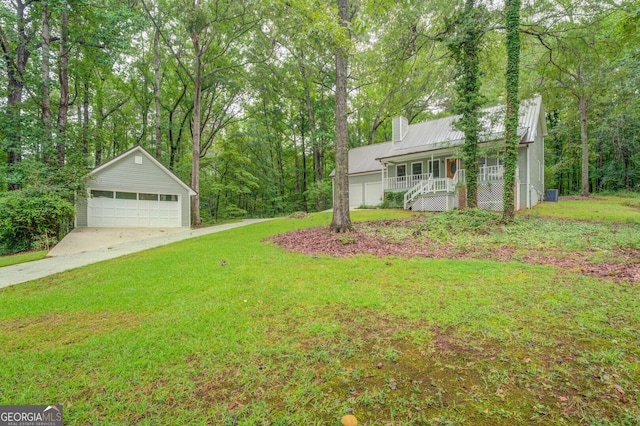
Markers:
<point>417,189</point>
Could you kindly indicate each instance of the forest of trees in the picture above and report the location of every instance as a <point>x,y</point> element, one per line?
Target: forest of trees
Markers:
<point>244,91</point>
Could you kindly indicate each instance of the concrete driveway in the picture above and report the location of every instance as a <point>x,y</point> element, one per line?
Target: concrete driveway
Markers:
<point>90,245</point>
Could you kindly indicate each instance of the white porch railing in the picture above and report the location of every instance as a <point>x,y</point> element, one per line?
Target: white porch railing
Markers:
<point>404,182</point>
<point>418,189</point>
<point>430,186</point>
<point>489,173</point>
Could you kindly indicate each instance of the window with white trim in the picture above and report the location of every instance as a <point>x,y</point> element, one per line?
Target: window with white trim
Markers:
<point>416,168</point>
<point>434,168</point>
<point>401,170</point>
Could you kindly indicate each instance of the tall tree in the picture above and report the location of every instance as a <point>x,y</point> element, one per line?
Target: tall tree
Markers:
<point>63,78</point>
<point>214,30</point>
<point>17,31</point>
<point>512,78</point>
<point>45,93</point>
<point>341,221</point>
<point>576,60</point>
<point>463,39</point>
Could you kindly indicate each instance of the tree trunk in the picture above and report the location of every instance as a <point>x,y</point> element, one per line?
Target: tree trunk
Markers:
<point>584,138</point>
<point>512,12</point>
<point>156,92</point>
<point>341,221</point>
<point>45,73</point>
<point>465,49</point>
<point>63,78</point>
<point>16,63</point>
<point>85,124</point>
<point>195,135</point>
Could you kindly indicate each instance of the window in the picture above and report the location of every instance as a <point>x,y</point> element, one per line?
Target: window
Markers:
<point>126,196</point>
<point>101,194</point>
<point>167,197</point>
<point>416,168</point>
<point>148,197</point>
<point>401,170</point>
<point>501,158</point>
<point>434,168</point>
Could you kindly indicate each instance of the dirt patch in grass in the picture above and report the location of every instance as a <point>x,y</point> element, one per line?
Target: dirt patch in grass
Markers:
<point>407,238</point>
<point>56,330</point>
<point>386,367</point>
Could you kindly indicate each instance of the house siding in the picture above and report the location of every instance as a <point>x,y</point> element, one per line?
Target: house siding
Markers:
<point>536,162</point>
<point>127,176</point>
<point>522,178</point>
<point>368,178</point>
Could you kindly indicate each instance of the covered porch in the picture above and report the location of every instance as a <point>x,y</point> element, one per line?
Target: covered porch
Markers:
<point>438,184</point>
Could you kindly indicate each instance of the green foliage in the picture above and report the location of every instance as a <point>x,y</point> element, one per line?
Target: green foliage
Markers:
<point>32,218</point>
<point>393,200</point>
<point>463,221</point>
<point>320,195</point>
<point>511,119</point>
<point>464,42</point>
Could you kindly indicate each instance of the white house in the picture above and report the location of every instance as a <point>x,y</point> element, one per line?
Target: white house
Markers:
<point>134,190</point>
<point>424,160</point>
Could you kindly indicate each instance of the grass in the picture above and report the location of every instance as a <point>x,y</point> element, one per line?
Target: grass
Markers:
<point>15,259</point>
<point>227,329</point>
<point>620,209</point>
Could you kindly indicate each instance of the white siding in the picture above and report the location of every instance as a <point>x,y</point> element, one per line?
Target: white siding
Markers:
<point>126,175</point>
<point>373,193</point>
<point>356,197</point>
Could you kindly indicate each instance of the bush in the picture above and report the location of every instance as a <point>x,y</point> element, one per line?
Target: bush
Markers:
<point>32,218</point>
<point>394,200</point>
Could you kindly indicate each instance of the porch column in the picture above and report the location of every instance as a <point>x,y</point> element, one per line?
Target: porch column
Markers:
<point>431,167</point>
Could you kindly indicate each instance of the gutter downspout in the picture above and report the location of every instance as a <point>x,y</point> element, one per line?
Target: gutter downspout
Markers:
<point>528,179</point>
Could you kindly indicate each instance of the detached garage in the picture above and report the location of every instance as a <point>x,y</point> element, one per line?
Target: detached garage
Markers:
<point>134,190</point>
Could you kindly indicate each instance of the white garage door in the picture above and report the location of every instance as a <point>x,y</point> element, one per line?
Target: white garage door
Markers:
<point>373,193</point>
<point>130,209</point>
<point>355,195</point>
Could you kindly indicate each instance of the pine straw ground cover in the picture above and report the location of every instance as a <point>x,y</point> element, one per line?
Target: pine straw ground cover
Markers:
<point>231,329</point>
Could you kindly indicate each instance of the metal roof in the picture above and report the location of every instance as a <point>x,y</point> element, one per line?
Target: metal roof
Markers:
<point>441,133</point>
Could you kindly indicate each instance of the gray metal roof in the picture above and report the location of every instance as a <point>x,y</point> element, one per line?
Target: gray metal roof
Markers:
<point>441,133</point>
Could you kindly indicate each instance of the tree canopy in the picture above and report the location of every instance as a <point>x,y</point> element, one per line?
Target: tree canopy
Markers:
<point>238,98</point>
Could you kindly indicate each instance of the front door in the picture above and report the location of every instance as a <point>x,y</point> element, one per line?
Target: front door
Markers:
<point>452,167</point>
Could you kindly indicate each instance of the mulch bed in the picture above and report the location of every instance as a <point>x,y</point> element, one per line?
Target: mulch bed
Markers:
<point>321,241</point>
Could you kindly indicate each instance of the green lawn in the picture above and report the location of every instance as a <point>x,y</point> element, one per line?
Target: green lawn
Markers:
<point>14,259</point>
<point>227,329</point>
<point>624,209</point>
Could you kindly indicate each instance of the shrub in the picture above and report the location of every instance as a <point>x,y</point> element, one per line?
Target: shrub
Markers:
<point>32,218</point>
<point>394,199</point>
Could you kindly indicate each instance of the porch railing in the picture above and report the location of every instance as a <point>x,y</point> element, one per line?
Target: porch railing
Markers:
<point>404,182</point>
<point>420,188</point>
<point>430,186</point>
<point>488,173</point>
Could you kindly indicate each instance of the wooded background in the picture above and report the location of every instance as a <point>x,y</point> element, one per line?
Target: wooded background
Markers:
<point>243,91</point>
